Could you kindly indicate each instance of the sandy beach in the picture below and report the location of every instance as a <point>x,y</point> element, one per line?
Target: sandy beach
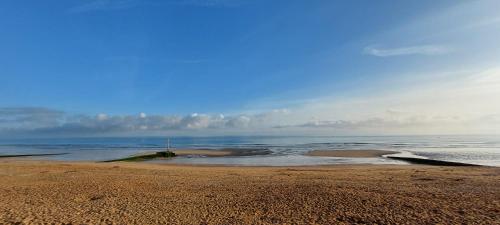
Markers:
<point>197,112</point>
<point>139,193</point>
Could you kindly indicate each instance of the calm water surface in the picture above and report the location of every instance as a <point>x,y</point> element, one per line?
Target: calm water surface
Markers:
<point>484,150</point>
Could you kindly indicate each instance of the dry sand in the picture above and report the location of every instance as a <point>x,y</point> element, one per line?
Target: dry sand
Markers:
<point>350,153</point>
<point>138,193</point>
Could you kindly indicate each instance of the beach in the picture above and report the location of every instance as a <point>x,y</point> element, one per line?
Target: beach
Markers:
<point>249,112</point>
<point>350,153</point>
<point>140,193</point>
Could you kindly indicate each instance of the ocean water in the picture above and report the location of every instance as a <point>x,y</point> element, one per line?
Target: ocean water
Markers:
<point>285,150</point>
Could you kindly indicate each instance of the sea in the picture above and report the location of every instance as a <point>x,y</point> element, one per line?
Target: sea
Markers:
<point>283,150</point>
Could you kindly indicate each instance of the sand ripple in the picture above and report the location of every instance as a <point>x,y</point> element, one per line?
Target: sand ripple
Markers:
<point>131,193</point>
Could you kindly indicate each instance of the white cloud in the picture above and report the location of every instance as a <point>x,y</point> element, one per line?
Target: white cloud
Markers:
<point>467,28</point>
<point>101,117</point>
<point>33,117</point>
<point>464,102</point>
<point>408,50</point>
<point>239,122</point>
<point>65,124</point>
<point>457,103</point>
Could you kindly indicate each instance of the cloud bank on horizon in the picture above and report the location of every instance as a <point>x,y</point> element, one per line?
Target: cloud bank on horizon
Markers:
<point>435,71</point>
<point>467,105</point>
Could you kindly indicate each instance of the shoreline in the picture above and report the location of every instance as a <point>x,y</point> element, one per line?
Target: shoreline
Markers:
<point>31,155</point>
<point>151,156</point>
<point>431,162</point>
<point>350,153</point>
<point>202,152</point>
<point>119,192</point>
<point>206,152</point>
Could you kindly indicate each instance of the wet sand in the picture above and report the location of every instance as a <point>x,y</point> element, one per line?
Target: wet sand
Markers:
<point>350,153</point>
<point>222,152</point>
<point>215,152</point>
<point>202,152</point>
<point>31,155</point>
<point>137,193</point>
<point>166,154</point>
<point>433,162</point>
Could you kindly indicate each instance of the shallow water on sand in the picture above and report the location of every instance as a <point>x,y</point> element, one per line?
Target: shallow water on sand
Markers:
<point>289,150</point>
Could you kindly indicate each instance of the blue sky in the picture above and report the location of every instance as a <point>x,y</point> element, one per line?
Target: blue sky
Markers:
<point>236,66</point>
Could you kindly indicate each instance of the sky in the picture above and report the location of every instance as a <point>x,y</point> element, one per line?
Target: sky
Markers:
<point>249,67</point>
